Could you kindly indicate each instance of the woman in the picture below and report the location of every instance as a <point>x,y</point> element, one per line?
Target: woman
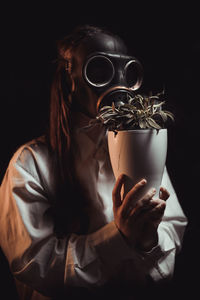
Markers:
<point>63,225</point>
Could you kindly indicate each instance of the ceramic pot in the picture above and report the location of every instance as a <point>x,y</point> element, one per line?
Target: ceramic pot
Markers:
<point>139,154</point>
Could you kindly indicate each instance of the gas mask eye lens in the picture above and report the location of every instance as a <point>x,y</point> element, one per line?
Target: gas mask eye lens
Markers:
<point>98,71</point>
<point>133,74</point>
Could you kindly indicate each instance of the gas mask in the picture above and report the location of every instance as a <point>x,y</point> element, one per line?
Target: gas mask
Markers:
<point>101,72</point>
<point>113,77</point>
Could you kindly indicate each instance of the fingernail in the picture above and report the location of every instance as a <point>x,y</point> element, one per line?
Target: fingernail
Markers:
<point>153,191</point>
<point>143,181</point>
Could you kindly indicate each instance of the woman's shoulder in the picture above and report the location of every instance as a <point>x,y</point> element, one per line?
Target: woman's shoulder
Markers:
<point>36,148</point>
<point>35,158</point>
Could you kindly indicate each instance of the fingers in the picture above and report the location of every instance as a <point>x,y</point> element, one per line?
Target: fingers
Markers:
<point>164,194</point>
<point>156,212</point>
<point>131,195</point>
<point>145,204</point>
<point>159,209</point>
<point>141,205</point>
<point>116,193</point>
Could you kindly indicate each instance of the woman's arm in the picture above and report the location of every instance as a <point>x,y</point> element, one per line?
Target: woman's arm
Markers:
<point>48,264</point>
<point>36,256</point>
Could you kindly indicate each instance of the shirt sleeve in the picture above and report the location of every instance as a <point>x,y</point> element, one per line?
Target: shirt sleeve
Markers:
<point>48,264</point>
<point>36,256</point>
<point>170,232</point>
<point>110,250</point>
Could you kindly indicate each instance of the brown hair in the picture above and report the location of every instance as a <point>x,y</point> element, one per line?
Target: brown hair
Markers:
<point>60,125</point>
<point>60,134</point>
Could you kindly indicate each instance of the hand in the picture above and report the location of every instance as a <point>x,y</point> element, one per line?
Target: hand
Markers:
<point>138,221</point>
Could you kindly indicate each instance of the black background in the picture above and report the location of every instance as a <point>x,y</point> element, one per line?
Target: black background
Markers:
<point>163,37</point>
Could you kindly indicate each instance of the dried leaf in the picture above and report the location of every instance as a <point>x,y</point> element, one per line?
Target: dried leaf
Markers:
<point>162,114</point>
<point>153,123</point>
<point>139,112</point>
<point>143,124</point>
<point>169,114</point>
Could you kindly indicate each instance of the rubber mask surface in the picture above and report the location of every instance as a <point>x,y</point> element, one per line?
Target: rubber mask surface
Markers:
<point>102,73</point>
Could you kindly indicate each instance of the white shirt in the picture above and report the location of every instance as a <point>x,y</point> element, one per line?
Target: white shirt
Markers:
<point>40,260</point>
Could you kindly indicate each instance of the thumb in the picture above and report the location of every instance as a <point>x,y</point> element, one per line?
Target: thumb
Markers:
<point>116,193</point>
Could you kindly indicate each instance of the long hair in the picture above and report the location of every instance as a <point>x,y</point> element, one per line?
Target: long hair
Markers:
<point>60,125</point>
<point>68,196</point>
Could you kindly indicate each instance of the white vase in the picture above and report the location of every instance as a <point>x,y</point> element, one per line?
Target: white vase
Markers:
<point>139,154</point>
